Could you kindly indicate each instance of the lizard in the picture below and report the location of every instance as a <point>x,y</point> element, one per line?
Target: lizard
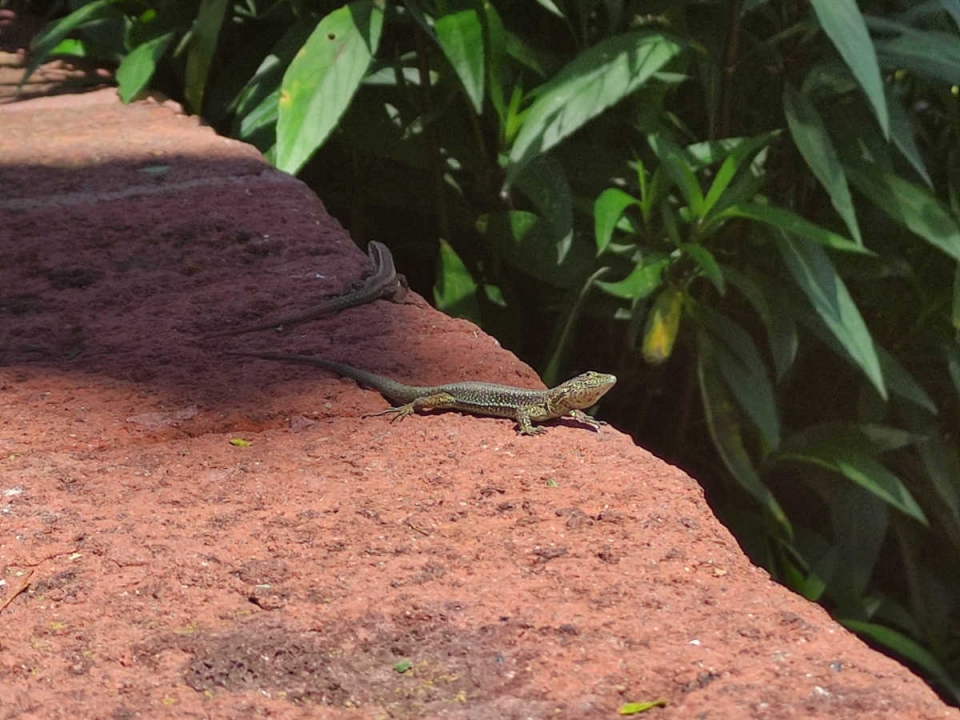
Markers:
<point>385,282</point>
<point>524,405</point>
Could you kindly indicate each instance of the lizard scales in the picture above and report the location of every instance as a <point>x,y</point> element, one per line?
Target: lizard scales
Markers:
<point>524,405</point>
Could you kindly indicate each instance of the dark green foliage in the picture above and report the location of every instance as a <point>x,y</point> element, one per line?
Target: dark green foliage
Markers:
<point>747,209</point>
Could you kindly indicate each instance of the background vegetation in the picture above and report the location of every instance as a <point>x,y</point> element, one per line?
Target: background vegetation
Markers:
<point>747,209</point>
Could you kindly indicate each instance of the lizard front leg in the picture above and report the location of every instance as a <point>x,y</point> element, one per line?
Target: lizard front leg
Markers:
<point>525,425</point>
<point>581,416</point>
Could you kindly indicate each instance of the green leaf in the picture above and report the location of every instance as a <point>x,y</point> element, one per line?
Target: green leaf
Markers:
<point>203,44</point>
<point>268,76</point>
<point>707,263</point>
<point>814,143</point>
<point>455,290</point>
<point>855,460</point>
<point>953,9</point>
<point>927,53</point>
<point>598,78</point>
<point>42,44</point>
<point>862,438</point>
<point>544,182</point>
<point>814,585</point>
<point>941,465</point>
<point>138,67</point>
<point>74,47</point>
<point>906,648</point>
<point>902,133</point>
<point>551,7</point>
<point>460,35</point>
<point>814,273</point>
<point>735,355</point>
<point>911,205</point>
<point>792,223</point>
<point>709,152</point>
<point>529,243</point>
<point>402,666</point>
<point>902,383</point>
<point>633,708</point>
<point>781,327</point>
<point>953,365</point>
<point>741,151</point>
<point>844,25</point>
<point>955,305</point>
<point>860,521</point>
<point>496,67</point>
<point>322,79</point>
<point>261,117</point>
<point>539,61</point>
<point>723,421</point>
<point>678,166</point>
<point>642,281</point>
<point>568,321</point>
<point>607,210</point>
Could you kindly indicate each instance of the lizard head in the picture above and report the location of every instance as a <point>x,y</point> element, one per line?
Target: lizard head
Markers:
<point>584,390</point>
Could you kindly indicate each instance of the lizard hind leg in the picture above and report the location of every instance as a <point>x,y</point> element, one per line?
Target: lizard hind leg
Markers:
<point>398,413</point>
<point>435,401</point>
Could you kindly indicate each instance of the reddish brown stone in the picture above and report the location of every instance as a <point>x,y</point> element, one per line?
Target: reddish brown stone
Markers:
<point>176,574</point>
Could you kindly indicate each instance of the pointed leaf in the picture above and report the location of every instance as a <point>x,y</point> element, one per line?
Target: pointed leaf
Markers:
<point>322,79</point>
<point>862,438</point>
<point>907,648</point>
<point>551,7</point>
<point>902,134</point>
<point>266,80</point>
<point>528,243</point>
<point>857,465</point>
<point>911,205</point>
<point>746,149</point>
<point>723,422</point>
<point>734,353</point>
<point>544,181</point>
<point>860,521</point>
<point>607,210</point>
<point>955,305</point>
<point>598,78</point>
<point>828,294</point>
<point>44,43</point>
<point>460,35</point>
<point>844,25</point>
<point>137,68</point>
<point>707,263</point>
<point>929,53</point>
<point>791,222</point>
<point>455,290</point>
<point>203,44</point>
<point>567,323</point>
<point>902,383</point>
<point>642,281</point>
<point>814,143</point>
<point>680,169</point>
<point>953,8</point>
<point>781,328</point>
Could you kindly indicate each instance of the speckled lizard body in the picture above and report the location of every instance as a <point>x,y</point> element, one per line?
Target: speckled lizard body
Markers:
<point>385,282</point>
<point>524,405</point>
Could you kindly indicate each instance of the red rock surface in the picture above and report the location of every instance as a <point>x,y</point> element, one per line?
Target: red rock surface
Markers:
<point>151,568</point>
